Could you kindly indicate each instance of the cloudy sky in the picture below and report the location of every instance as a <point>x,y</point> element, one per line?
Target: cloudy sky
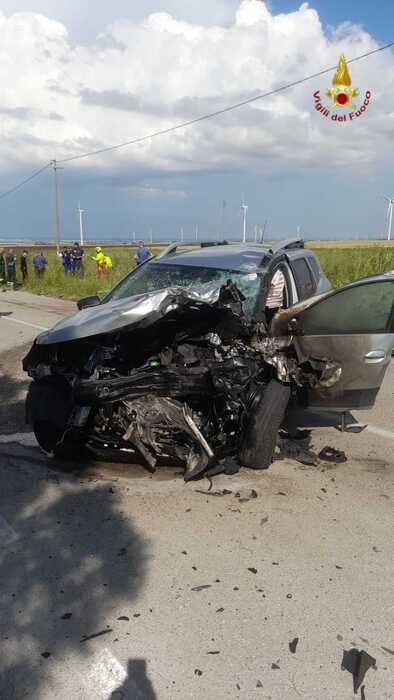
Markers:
<point>76,78</point>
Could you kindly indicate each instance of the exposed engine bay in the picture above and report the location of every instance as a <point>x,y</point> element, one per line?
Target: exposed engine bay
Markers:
<point>178,383</point>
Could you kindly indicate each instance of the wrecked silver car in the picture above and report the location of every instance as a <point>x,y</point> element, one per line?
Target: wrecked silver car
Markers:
<point>181,364</point>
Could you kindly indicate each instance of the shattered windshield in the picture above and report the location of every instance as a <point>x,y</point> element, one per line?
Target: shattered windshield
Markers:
<point>153,276</point>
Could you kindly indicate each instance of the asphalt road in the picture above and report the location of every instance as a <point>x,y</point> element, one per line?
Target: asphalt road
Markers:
<point>118,584</point>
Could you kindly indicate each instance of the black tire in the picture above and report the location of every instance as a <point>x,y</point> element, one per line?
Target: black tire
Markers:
<point>48,409</point>
<point>258,446</point>
<point>55,442</point>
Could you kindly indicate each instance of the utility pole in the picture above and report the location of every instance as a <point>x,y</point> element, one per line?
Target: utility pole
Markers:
<point>133,236</point>
<point>81,213</point>
<point>255,234</point>
<point>196,232</point>
<point>56,219</point>
<point>181,234</point>
<point>151,235</point>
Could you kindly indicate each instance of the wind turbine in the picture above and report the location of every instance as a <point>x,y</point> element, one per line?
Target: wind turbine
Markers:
<point>244,209</point>
<point>81,213</point>
<point>262,231</point>
<point>389,216</point>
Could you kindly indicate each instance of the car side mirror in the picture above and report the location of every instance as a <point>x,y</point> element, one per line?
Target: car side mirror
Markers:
<point>85,302</point>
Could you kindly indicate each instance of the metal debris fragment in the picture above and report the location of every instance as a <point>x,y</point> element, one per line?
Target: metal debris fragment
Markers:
<point>201,588</point>
<point>357,663</point>
<point>97,634</point>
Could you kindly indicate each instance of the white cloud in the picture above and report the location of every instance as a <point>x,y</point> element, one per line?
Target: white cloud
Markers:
<point>59,99</point>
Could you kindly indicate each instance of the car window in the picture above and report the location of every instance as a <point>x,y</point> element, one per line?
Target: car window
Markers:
<point>303,277</point>
<point>151,277</point>
<point>367,308</point>
<point>315,266</point>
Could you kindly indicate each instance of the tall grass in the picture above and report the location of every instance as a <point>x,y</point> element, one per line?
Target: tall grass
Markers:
<point>56,283</point>
<point>344,265</point>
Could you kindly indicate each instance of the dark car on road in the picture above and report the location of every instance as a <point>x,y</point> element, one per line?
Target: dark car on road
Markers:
<point>181,363</point>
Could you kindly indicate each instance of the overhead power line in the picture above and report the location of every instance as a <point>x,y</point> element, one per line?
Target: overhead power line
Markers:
<point>196,120</point>
<point>24,182</point>
<point>230,108</point>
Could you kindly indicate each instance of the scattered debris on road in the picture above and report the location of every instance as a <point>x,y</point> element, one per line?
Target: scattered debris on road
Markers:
<point>357,663</point>
<point>201,588</point>
<point>97,634</point>
<point>389,651</point>
<point>293,645</point>
<point>330,454</point>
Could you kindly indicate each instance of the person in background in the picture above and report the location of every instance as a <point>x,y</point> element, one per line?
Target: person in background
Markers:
<point>77,254</point>
<point>108,264</point>
<point>276,293</point>
<point>10,262</point>
<point>142,253</point>
<point>2,267</point>
<point>39,264</point>
<point>99,259</point>
<point>65,255</point>
<point>23,264</point>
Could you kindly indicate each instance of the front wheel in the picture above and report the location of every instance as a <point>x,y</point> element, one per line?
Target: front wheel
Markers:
<point>258,446</point>
<point>56,442</point>
<point>49,406</point>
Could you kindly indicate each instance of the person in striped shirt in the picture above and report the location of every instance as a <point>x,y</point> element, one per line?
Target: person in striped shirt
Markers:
<point>276,295</point>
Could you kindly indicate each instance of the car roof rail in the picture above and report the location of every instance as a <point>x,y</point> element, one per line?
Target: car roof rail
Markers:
<point>288,244</point>
<point>172,247</point>
<point>168,251</point>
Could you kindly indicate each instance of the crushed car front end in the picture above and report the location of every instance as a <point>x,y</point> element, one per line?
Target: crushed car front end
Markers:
<point>172,376</point>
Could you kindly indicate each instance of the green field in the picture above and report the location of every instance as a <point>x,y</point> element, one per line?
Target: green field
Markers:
<point>343,265</point>
<point>342,262</point>
<point>56,283</point>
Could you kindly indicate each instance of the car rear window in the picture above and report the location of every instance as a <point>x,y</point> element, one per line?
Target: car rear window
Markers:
<point>304,279</point>
<point>315,266</point>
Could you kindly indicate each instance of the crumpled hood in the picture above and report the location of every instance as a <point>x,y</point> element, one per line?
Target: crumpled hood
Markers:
<point>141,310</point>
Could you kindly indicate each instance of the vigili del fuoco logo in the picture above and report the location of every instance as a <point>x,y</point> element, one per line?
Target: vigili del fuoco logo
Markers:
<point>344,103</point>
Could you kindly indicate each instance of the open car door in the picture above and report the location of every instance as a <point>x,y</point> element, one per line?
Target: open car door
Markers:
<point>351,327</point>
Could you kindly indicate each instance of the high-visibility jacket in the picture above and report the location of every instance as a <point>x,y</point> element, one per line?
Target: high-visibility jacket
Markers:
<point>99,258</point>
<point>108,262</point>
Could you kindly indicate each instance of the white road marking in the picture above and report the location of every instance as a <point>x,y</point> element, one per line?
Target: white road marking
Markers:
<point>380,431</point>
<point>24,323</point>
<point>106,674</point>
<point>26,439</point>
<point>7,533</point>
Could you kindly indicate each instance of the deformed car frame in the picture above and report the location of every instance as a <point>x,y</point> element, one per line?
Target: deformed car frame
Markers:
<point>185,376</point>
